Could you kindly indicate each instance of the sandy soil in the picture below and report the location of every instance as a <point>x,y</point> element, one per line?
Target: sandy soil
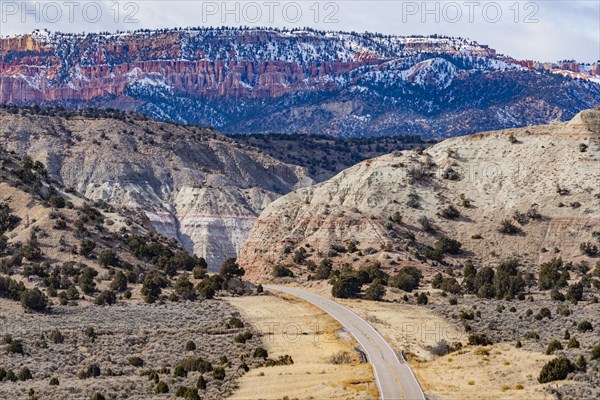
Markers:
<point>311,337</point>
<point>492,372</point>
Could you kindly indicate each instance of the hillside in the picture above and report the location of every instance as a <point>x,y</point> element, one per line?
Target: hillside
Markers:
<point>72,278</point>
<point>269,80</point>
<point>191,184</point>
<point>324,156</point>
<point>529,193</point>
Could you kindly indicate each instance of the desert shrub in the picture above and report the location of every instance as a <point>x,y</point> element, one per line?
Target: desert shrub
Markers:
<point>34,300</point>
<point>422,299</point>
<point>479,339</point>
<point>532,335</point>
<point>341,357</point>
<point>24,374</point>
<point>162,387</point>
<point>520,217</point>
<point>108,258</point>
<point>260,352</point>
<point>180,371</point>
<point>197,364</point>
<point>135,361</point>
<point>553,346</point>
<point>243,337</point>
<point>201,383</point>
<point>106,297</point>
<point>56,336</point>
<point>119,282</point>
<point>235,322</point>
<point>412,200</point>
<point>396,217</point>
<point>553,275</point>
<point>450,285</point>
<point>589,249</point>
<point>199,273</point>
<point>375,291</point>
<point>92,371</point>
<point>442,348</point>
<point>54,381</point>
<point>299,255</point>
<point>87,247</point>
<point>281,271</point>
<point>98,396</point>
<point>91,333</point>
<point>190,345</point>
<point>188,393</point>
<point>449,212</point>
<point>557,295</point>
<point>437,281</point>
<point>407,279</point>
<point>556,369</point>
<point>7,375</point>
<point>573,343</point>
<point>466,315</point>
<point>418,174</point>
<point>231,268</point>
<point>285,359</point>
<point>595,354</point>
<point>8,221</point>
<point>15,346</point>
<point>152,287</point>
<point>371,273</point>
<point>585,326</point>
<point>219,373</point>
<point>346,287</point>
<point>185,289</point>
<point>508,228</point>
<point>448,245</point>
<point>426,225</point>
<point>451,174</point>
<point>575,292</point>
<point>324,269</point>
<point>543,313</point>
<point>86,280</point>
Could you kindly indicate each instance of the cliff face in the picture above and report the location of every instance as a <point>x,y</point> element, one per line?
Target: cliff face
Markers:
<point>306,81</point>
<point>192,184</point>
<point>542,179</point>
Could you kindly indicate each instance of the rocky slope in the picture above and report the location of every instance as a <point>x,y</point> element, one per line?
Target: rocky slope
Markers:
<point>541,182</point>
<point>259,80</point>
<point>192,184</point>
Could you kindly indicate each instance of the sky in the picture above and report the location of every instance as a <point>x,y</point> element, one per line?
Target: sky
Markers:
<point>549,30</point>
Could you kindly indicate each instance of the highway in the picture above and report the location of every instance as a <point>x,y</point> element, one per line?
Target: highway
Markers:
<point>394,378</point>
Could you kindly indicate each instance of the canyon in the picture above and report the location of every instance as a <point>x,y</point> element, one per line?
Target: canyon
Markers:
<point>191,184</point>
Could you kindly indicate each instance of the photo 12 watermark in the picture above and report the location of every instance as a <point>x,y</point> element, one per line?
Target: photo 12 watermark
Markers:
<point>132,13</point>
<point>87,16</point>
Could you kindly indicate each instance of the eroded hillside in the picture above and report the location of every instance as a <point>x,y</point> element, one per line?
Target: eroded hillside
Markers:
<point>531,193</point>
<point>193,184</point>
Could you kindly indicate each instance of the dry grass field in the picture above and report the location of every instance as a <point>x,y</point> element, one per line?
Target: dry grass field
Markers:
<point>311,338</point>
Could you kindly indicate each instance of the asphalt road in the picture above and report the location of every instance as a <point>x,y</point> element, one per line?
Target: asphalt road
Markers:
<point>394,378</point>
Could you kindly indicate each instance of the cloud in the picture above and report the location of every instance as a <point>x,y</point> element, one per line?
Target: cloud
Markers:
<point>540,30</point>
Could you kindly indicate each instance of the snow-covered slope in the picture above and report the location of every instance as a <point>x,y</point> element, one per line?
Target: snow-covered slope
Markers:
<point>257,80</point>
